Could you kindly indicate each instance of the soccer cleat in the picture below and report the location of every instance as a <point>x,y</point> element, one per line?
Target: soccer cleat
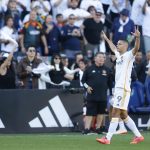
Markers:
<point>137,140</point>
<point>121,131</point>
<point>103,140</point>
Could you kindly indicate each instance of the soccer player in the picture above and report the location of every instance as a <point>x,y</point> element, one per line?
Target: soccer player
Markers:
<point>124,64</point>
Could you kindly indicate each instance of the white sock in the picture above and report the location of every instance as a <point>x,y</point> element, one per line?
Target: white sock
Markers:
<point>112,128</point>
<point>131,125</point>
<point>121,125</point>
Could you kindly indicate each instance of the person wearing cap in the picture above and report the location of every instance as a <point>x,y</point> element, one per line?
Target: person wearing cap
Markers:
<point>92,28</point>
<point>122,28</point>
<point>116,6</point>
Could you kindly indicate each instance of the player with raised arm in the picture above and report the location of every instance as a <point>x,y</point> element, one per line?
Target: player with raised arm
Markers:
<point>124,64</point>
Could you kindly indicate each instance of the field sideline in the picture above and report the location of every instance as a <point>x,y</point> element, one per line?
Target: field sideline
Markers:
<point>68,141</point>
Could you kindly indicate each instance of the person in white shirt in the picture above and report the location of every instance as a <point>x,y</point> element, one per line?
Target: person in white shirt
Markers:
<point>79,14</point>
<point>3,5</point>
<point>96,3</point>
<point>12,44</point>
<point>58,6</point>
<point>124,64</point>
<point>116,7</point>
<point>136,12</point>
<point>43,6</point>
<point>10,31</point>
<point>137,17</point>
<point>146,25</point>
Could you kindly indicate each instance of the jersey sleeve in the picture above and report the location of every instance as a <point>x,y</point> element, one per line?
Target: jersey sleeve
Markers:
<point>130,54</point>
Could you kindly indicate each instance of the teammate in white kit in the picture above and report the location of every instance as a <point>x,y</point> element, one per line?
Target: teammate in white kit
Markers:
<point>124,64</point>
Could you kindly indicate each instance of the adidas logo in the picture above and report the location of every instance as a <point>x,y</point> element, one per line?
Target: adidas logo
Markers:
<point>1,124</point>
<point>54,115</point>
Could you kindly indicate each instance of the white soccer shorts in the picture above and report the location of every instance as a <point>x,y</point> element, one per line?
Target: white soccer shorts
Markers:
<point>121,98</point>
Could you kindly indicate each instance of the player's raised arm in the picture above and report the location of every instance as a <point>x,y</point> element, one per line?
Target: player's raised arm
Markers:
<point>111,45</point>
<point>136,47</point>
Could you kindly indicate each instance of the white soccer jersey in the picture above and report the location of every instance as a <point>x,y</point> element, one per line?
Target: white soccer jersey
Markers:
<point>124,64</point>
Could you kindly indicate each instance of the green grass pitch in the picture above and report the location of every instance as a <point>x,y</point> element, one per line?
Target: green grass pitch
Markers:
<point>69,141</point>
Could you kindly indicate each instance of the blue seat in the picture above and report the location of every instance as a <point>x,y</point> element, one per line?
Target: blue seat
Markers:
<point>137,99</point>
<point>147,90</point>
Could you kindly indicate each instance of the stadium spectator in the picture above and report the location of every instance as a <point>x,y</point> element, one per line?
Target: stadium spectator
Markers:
<point>14,12</point>
<point>25,67</point>
<point>79,14</point>
<point>92,28</point>
<point>10,31</point>
<point>137,17</point>
<point>60,73</point>
<point>59,21</point>
<point>122,27</point>
<point>106,4</point>
<point>146,25</point>
<point>96,80</point>
<point>76,82</point>
<point>10,43</point>
<point>52,34</point>
<point>58,6</point>
<point>91,10</point>
<point>147,58</point>
<point>3,8</point>
<point>78,57</point>
<point>32,34</point>
<point>65,60</point>
<point>43,7</point>
<point>140,67</point>
<point>7,71</point>
<point>71,36</point>
<point>116,7</point>
<point>96,3</point>
<point>124,64</point>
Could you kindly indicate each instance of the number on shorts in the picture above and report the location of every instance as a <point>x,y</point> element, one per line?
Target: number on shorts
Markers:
<point>119,98</point>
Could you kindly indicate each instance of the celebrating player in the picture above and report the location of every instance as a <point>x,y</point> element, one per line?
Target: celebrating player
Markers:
<point>124,64</point>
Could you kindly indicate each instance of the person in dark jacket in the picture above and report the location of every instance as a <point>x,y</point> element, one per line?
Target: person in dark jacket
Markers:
<point>97,79</point>
<point>25,67</point>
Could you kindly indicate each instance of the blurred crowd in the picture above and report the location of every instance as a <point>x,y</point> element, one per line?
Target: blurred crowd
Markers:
<point>49,43</point>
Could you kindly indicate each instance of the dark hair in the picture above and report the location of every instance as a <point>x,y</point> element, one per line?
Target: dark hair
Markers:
<point>58,15</point>
<point>7,18</point>
<point>99,53</point>
<point>52,60</point>
<point>30,46</point>
<point>83,60</point>
<point>71,15</point>
<point>91,7</point>
<point>79,53</point>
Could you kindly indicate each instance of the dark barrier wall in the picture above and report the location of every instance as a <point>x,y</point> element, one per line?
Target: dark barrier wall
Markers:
<point>29,111</point>
<point>45,111</point>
